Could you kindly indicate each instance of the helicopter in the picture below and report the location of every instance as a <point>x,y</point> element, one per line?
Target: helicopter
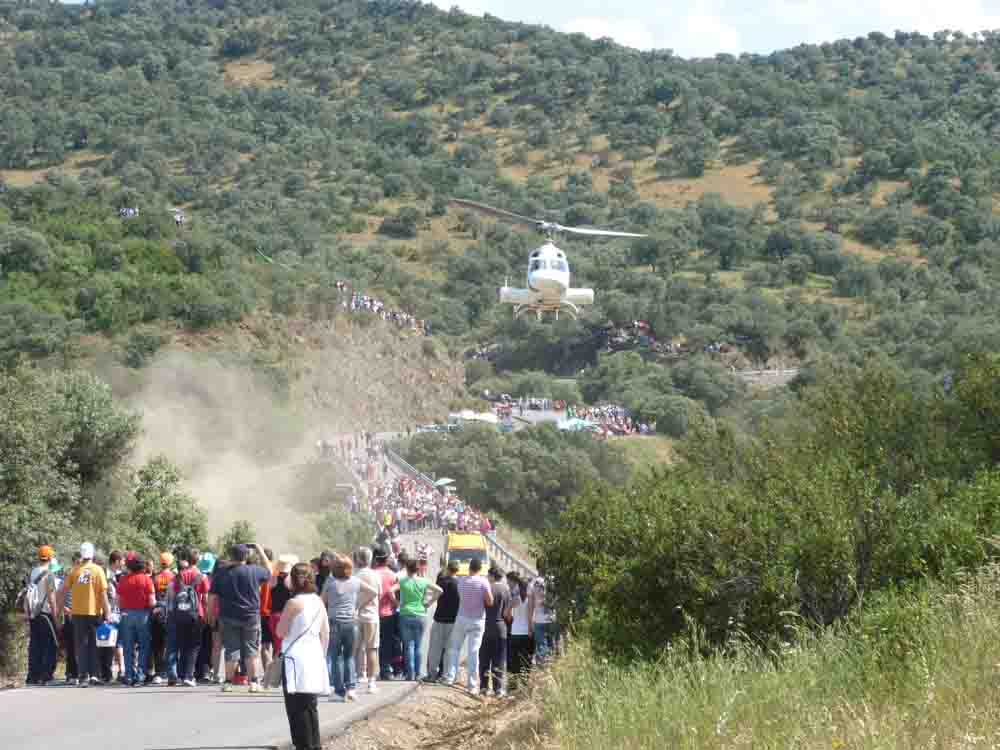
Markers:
<point>548,288</point>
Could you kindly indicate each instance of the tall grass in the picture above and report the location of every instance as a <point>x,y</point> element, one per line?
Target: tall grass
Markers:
<point>916,670</point>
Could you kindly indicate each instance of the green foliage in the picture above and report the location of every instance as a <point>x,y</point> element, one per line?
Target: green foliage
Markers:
<point>867,486</point>
<point>162,511</point>
<point>241,531</point>
<point>526,476</point>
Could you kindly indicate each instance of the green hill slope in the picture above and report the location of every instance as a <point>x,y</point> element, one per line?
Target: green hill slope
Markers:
<point>827,200</point>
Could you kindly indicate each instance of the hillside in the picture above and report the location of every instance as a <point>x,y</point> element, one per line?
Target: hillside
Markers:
<point>826,201</point>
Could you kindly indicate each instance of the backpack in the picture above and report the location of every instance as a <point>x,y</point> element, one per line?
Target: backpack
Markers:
<point>31,598</point>
<point>185,611</point>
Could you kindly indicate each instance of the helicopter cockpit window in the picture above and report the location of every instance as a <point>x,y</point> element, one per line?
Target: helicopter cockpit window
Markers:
<point>537,264</point>
<point>557,265</point>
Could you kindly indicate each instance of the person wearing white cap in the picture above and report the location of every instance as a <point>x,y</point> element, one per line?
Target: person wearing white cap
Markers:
<point>89,587</point>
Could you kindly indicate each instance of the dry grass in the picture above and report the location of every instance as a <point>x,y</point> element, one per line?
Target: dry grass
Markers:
<point>250,72</point>
<point>922,674</point>
<point>74,165</point>
<point>737,184</point>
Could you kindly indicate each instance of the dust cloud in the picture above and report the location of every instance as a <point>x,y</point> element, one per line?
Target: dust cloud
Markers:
<point>244,454</point>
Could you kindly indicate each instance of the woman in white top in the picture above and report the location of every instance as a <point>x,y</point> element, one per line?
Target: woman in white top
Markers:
<point>305,633</point>
<point>520,649</point>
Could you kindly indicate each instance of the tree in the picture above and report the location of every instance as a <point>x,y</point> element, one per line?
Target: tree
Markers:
<point>161,510</point>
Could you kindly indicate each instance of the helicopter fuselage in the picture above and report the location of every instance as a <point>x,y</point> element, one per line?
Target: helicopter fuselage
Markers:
<point>548,272</point>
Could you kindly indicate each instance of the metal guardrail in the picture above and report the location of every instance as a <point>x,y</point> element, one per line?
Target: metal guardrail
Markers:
<point>498,553</point>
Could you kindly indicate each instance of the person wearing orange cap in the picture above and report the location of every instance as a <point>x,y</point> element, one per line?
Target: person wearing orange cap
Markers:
<point>158,623</point>
<point>40,609</point>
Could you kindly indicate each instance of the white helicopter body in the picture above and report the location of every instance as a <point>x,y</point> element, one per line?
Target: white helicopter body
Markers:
<point>548,287</point>
<point>548,283</point>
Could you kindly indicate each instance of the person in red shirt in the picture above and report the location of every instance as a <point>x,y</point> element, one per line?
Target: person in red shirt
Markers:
<point>185,620</point>
<point>136,597</point>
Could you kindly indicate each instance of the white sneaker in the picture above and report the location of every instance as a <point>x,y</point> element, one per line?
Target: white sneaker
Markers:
<point>351,695</point>
<point>190,683</point>
<point>255,687</point>
<point>157,680</point>
<point>372,687</point>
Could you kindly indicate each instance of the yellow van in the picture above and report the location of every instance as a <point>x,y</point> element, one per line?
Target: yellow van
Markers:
<point>464,547</point>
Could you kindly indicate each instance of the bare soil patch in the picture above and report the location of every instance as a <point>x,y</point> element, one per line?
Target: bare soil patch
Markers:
<point>251,72</point>
<point>441,718</point>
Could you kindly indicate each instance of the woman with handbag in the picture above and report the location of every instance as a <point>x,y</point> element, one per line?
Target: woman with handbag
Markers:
<point>306,634</point>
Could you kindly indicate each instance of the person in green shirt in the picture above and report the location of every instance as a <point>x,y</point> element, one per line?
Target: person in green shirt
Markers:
<point>416,594</point>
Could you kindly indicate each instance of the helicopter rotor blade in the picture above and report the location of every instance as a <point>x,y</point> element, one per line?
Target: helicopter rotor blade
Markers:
<point>597,232</point>
<point>497,213</point>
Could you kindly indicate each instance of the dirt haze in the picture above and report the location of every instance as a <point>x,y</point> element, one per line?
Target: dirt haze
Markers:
<point>241,416</point>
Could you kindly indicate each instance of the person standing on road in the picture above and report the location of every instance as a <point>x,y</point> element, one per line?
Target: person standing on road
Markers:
<point>41,610</point>
<point>493,652</point>
<point>387,614</point>
<point>366,645</point>
<point>340,595</point>
<point>475,596</point>
<point>236,586</point>
<point>519,645</point>
<point>542,618</point>
<point>89,588</point>
<point>280,594</point>
<point>416,594</point>
<point>136,598</point>
<point>158,624</point>
<point>65,615</point>
<point>186,604</point>
<point>305,632</point>
<point>444,621</point>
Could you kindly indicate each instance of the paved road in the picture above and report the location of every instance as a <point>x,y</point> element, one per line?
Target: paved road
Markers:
<point>164,718</point>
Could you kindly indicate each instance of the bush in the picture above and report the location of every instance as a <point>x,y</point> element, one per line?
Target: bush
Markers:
<point>867,487</point>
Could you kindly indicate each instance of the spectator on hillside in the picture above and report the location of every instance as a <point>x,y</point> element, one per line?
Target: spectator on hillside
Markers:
<point>444,621</point>
<point>41,610</point>
<point>236,586</point>
<point>475,596</point>
<point>89,587</point>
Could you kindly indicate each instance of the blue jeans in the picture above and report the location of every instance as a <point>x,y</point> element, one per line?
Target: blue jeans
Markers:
<point>341,656</point>
<point>545,634</point>
<point>171,650</point>
<point>412,630</point>
<point>469,633</point>
<point>134,631</point>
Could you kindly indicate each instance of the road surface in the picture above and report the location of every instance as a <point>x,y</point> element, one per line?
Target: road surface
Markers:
<point>162,718</point>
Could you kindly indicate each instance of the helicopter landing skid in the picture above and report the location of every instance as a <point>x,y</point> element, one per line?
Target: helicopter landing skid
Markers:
<point>555,308</point>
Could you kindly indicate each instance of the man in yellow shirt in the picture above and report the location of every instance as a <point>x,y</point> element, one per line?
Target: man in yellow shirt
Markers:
<point>89,588</point>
